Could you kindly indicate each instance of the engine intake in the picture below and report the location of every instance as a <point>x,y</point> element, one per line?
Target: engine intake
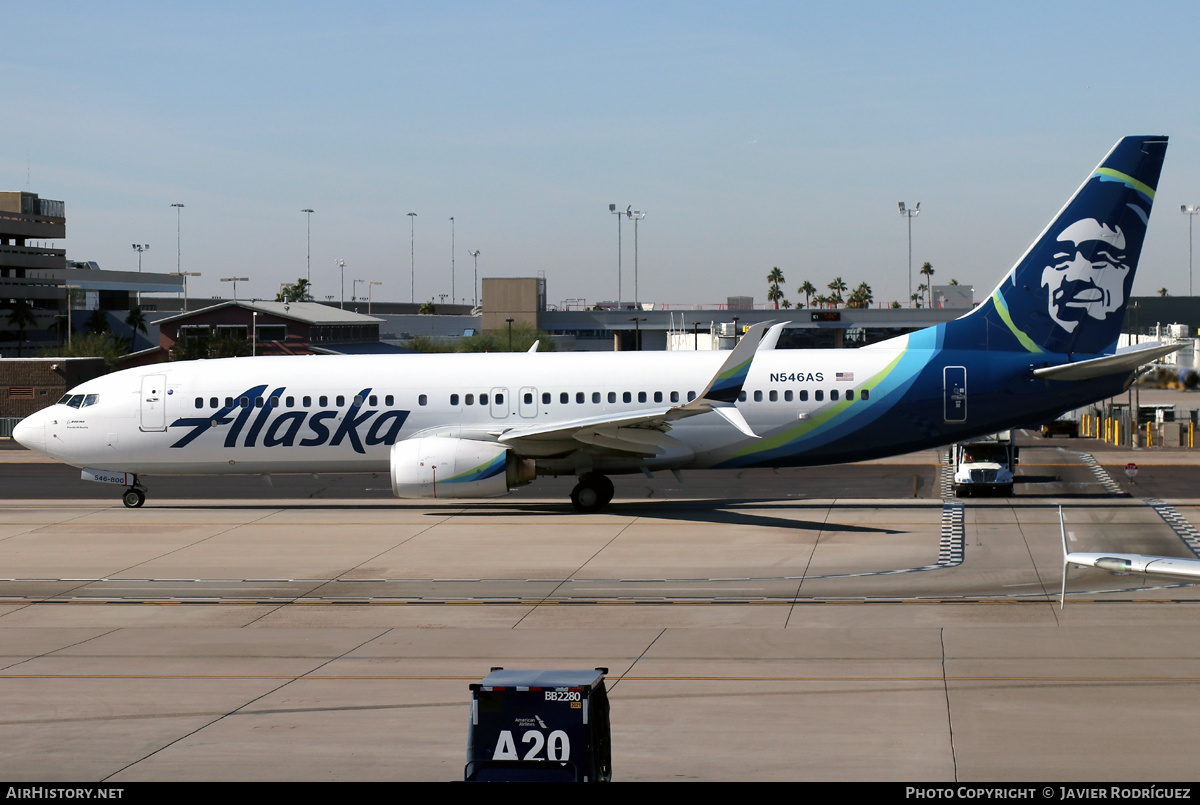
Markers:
<point>442,467</point>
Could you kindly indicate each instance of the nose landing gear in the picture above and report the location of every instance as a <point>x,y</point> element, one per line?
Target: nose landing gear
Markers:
<point>593,492</point>
<point>134,496</point>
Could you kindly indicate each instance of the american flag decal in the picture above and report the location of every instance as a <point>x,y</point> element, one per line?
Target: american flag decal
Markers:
<point>847,377</point>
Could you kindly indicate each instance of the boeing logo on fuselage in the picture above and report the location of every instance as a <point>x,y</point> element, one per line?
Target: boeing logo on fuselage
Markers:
<point>251,417</point>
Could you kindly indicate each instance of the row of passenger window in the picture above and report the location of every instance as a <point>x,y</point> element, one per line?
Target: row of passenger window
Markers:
<point>818,395</point>
<point>564,398</point>
<point>290,402</point>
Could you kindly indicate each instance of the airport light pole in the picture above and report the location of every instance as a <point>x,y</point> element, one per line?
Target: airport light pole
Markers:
<point>636,215</point>
<point>412,257</point>
<point>1190,210</point>
<point>475,285</point>
<point>185,275</point>
<point>308,214</point>
<point>139,248</point>
<point>235,281</point>
<point>341,264</point>
<point>68,289</point>
<point>612,208</point>
<point>910,213</point>
<point>452,298</point>
<point>178,242</point>
<point>370,286</point>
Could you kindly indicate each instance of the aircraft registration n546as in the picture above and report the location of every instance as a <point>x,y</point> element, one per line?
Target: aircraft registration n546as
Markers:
<point>479,425</point>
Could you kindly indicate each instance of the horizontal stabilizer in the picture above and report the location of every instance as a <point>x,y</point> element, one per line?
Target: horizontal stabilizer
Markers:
<point>734,417</point>
<point>1125,360</point>
<point>1166,566</point>
<point>1138,563</point>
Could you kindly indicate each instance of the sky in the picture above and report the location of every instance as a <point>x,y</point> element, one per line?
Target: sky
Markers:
<point>752,134</point>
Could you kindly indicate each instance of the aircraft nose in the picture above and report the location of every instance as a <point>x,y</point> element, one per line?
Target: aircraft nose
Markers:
<point>30,432</point>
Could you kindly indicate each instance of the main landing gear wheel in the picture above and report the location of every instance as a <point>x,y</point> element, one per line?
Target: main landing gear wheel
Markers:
<point>133,498</point>
<point>593,492</point>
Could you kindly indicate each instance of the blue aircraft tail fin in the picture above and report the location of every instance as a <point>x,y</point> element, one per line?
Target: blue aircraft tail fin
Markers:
<point>1067,293</point>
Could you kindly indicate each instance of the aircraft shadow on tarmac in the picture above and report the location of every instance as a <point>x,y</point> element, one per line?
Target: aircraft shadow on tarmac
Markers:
<point>709,511</point>
<point>724,512</point>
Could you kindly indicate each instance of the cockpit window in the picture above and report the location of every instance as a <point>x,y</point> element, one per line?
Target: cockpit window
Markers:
<point>65,399</point>
<point>91,399</point>
<point>75,401</point>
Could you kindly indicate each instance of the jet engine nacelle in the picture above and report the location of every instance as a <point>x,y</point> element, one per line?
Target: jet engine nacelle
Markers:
<point>442,467</point>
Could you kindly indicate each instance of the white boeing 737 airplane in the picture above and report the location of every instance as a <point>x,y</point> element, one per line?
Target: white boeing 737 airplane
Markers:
<point>478,425</point>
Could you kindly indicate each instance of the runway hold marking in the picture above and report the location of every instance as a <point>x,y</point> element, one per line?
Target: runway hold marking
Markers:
<point>1106,481</point>
<point>946,477</point>
<point>1185,530</point>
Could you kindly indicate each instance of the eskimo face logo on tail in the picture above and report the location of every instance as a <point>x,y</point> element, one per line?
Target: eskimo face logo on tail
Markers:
<point>251,417</point>
<point>1089,278</point>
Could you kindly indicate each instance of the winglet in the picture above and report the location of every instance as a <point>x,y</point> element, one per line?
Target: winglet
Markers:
<point>727,383</point>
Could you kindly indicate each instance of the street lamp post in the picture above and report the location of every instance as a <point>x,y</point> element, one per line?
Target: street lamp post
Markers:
<point>452,297</point>
<point>910,213</point>
<point>637,333</point>
<point>475,284</point>
<point>510,323</point>
<point>235,281</point>
<point>1190,210</point>
<point>308,259</point>
<point>370,286</point>
<point>412,256</point>
<point>341,264</point>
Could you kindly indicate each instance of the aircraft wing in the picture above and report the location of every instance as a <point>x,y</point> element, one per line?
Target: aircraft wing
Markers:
<point>1125,360</point>
<point>642,431</point>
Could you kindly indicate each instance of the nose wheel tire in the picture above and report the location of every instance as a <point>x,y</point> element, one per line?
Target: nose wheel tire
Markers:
<point>133,498</point>
<point>592,493</point>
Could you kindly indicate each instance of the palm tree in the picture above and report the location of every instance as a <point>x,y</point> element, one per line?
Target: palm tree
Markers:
<point>136,322</point>
<point>862,296</point>
<point>773,293</point>
<point>837,286</point>
<point>927,270</point>
<point>300,291</point>
<point>21,316</point>
<point>809,290</point>
<point>1162,291</point>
